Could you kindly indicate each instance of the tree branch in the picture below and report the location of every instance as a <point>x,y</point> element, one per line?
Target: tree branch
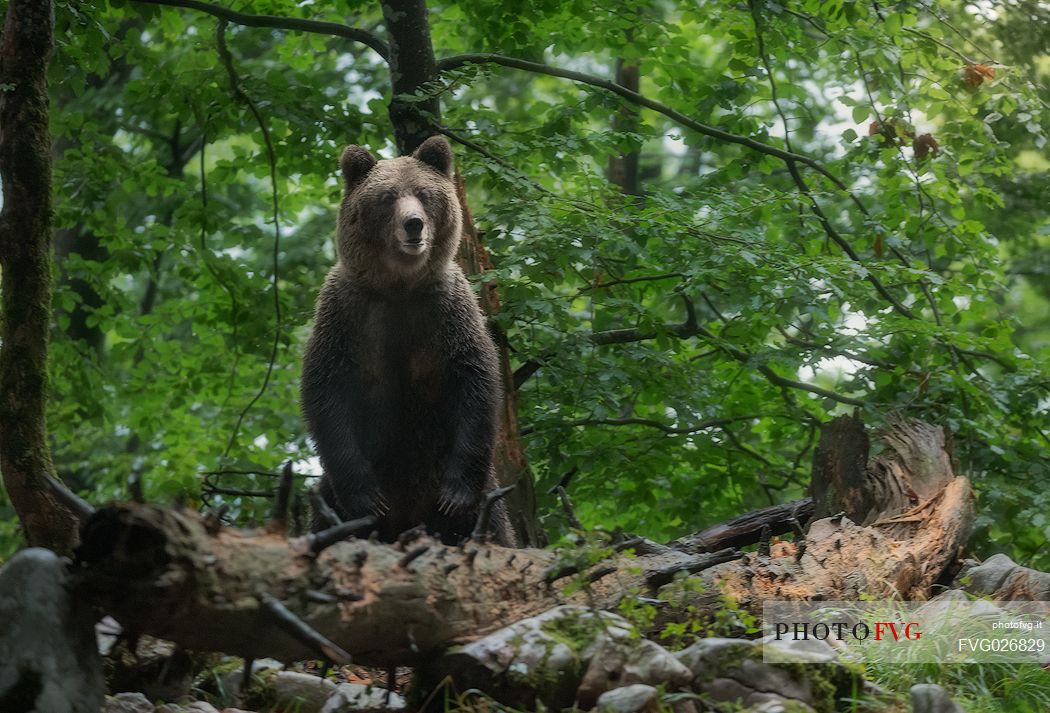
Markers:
<point>242,96</point>
<point>684,331</point>
<point>449,63</point>
<point>790,158</point>
<point>629,281</point>
<point>650,423</point>
<point>316,27</point>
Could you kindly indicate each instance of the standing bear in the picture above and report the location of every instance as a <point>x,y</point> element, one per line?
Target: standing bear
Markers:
<point>401,381</point>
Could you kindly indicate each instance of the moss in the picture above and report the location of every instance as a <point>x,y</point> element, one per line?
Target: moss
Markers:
<point>577,630</point>
<point>730,660</point>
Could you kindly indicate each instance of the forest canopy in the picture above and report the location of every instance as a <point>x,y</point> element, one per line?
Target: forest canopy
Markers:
<point>790,212</point>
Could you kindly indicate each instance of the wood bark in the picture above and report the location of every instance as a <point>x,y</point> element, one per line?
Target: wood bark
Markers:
<point>25,261</point>
<point>170,574</point>
<point>412,67</point>
<point>623,169</point>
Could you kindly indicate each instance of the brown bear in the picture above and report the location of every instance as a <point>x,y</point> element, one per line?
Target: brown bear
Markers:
<point>401,382</point>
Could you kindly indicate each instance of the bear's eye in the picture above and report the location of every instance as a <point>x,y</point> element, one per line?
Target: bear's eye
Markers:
<point>389,196</point>
<point>424,194</point>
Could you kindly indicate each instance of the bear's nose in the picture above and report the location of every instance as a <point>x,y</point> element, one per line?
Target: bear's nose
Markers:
<point>414,227</point>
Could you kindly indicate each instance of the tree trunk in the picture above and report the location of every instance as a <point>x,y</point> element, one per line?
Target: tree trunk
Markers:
<point>623,169</point>
<point>25,259</point>
<point>412,67</point>
<point>175,576</point>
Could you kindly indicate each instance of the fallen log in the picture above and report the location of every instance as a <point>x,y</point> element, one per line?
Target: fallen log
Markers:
<point>174,575</point>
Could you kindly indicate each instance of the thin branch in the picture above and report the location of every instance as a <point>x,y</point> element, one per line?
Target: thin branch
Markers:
<point>660,577</point>
<point>149,133</point>
<point>239,93</point>
<point>778,380</point>
<point>801,184</point>
<point>629,281</point>
<point>756,17</point>
<point>478,148</point>
<point>830,349</point>
<point>322,511</point>
<point>832,233</point>
<point>207,258</point>
<point>317,542</point>
<point>685,331</point>
<point>233,471</point>
<point>316,27</point>
<point>791,159</point>
<point>80,508</point>
<point>449,63</point>
<point>481,526</point>
<point>566,505</point>
<point>648,422</point>
<point>945,45</point>
<point>302,632</point>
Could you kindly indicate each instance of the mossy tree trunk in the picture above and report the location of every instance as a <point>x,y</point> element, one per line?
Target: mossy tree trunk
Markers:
<point>25,258</point>
<point>412,67</point>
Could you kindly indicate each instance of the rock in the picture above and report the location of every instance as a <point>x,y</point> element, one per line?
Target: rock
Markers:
<point>127,703</point>
<point>187,707</point>
<point>302,692</point>
<point>798,650</point>
<point>681,704</point>
<point>199,707</point>
<point>991,575</point>
<point>636,698</point>
<point>158,669</point>
<point>50,656</point>
<point>779,705</point>
<point>107,633</point>
<point>621,662</point>
<point>359,697</point>
<point>931,698</point>
<point>227,685</point>
<point>534,661</point>
<point>733,670</point>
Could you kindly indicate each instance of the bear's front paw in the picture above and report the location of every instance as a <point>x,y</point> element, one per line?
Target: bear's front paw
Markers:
<point>378,505</point>
<point>456,502</point>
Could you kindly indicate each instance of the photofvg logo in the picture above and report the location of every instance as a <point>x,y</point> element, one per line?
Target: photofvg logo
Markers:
<point>949,629</point>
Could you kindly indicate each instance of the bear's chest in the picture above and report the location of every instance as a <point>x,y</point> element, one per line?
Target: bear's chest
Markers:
<point>403,350</point>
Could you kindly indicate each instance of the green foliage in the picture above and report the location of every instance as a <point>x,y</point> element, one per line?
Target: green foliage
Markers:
<point>724,268</point>
<point>981,688</point>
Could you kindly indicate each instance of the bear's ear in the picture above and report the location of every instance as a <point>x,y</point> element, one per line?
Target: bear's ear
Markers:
<point>356,162</point>
<point>436,153</point>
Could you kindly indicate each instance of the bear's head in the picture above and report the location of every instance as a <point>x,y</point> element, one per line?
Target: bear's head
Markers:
<point>400,220</point>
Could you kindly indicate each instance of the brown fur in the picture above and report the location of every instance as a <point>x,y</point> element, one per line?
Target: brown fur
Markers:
<point>400,385</point>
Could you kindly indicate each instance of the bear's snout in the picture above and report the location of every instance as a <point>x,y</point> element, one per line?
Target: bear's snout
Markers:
<point>414,229</point>
<point>412,233</point>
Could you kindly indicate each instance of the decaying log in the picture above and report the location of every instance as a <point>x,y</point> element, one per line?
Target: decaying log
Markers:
<point>162,572</point>
<point>840,462</point>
